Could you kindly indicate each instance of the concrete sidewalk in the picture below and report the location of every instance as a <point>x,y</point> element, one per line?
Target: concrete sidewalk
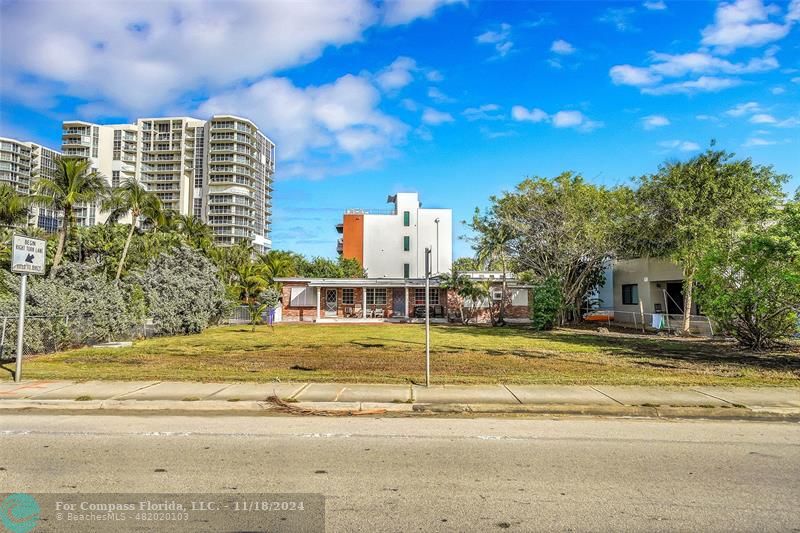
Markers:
<point>601,399</point>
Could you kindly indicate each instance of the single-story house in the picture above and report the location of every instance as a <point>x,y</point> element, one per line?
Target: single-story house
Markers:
<point>391,299</point>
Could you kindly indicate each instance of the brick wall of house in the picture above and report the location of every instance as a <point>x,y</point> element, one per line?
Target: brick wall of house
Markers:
<point>296,313</point>
<point>482,315</point>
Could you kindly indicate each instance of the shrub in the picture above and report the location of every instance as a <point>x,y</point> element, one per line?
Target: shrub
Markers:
<point>752,288</point>
<point>183,292</point>
<point>545,305</point>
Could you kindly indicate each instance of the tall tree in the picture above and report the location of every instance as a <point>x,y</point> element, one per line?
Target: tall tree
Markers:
<point>195,231</point>
<point>690,207</point>
<point>74,183</point>
<point>13,206</point>
<point>277,264</point>
<point>491,247</point>
<point>131,198</point>
<point>561,229</point>
<point>462,285</point>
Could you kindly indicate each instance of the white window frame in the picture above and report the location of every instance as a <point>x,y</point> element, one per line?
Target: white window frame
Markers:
<point>302,297</point>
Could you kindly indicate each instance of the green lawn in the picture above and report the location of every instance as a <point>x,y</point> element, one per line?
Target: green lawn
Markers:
<point>395,354</point>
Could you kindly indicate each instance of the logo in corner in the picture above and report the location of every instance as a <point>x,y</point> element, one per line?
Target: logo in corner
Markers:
<point>19,513</point>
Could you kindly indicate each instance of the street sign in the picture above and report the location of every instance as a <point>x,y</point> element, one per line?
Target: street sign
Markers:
<point>28,255</point>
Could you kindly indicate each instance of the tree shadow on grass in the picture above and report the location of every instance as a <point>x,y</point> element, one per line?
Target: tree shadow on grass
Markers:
<point>669,351</point>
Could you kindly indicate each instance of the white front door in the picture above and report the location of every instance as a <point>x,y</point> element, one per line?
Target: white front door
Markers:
<point>331,305</point>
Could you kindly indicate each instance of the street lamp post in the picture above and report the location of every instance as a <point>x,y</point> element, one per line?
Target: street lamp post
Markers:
<point>427,316</point>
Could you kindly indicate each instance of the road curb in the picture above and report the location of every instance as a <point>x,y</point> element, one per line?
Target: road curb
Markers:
<point>375,408</point>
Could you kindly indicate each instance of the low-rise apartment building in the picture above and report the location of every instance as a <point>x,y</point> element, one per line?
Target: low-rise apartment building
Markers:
<point>391,243</point>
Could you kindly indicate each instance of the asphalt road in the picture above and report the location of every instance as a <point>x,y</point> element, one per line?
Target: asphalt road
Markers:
<point>424,474</point>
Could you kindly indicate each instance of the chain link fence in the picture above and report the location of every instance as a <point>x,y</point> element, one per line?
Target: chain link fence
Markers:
<point>43,334</point>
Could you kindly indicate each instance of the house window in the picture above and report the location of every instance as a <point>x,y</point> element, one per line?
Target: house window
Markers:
<point>348,296</point>
<point>376,296</point>
<point>302,297</point>
<point>406,218</point>
<point>419,297</point>
<point>406,270</point>
<point>406,243</point>
<point>630,294</point>
<point>115,178</point>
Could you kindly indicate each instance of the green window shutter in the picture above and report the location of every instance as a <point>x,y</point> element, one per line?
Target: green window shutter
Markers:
<point>406,270</point>
<point>406,243</point>
<point>406,218</point>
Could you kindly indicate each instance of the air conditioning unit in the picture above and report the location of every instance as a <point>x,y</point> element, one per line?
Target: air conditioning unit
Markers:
<point>497,294</point>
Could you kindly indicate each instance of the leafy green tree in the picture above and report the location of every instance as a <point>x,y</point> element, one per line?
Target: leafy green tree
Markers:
<point>463,264</point>
<point>562,229</point>
<point>252,280</point>
<point>197,233</point>
<point>74,184</point>
<point>751,287</point>
<point>321,267</point>
<point>13,206</point>
<point>462,285</point>
<point>131,198</point>
<point>689,207</point>
<point>277,264</point>
<point>491,243</point>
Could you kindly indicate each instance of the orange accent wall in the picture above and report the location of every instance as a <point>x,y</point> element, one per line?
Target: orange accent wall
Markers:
<point>353,238</point>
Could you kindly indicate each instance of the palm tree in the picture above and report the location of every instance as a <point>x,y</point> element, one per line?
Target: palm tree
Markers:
<point>131,198</point>
<point>73,184</point>
<point>251,280</point>
<point>13,206</point>
<point>461,284</point>
<point>277,264</point>
<point>195,231</point>
<point>490,248</point>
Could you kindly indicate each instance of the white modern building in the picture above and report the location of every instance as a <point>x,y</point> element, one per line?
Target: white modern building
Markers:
<point>220,170</point>
<point>21,163</point>
<point>391,243</point>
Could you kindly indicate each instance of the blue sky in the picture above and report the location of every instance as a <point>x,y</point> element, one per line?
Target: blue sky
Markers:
<point>457,100</point>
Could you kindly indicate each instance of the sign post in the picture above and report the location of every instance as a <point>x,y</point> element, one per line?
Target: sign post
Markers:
<point>427,316</point>
<point>27,257</point>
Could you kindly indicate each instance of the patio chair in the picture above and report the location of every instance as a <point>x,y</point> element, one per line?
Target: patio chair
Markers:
<point>379,313</point>
<point>438,311</point>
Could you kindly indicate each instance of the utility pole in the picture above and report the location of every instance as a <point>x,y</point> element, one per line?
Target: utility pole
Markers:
<point>427,316</point>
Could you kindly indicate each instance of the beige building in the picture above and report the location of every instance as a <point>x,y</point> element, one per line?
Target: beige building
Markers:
<point>220,170</point>
<point>21,163</point>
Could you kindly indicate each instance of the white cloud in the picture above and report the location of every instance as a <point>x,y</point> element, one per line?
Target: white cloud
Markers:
<point>484,112</point>
<point>438,96</point>
<point>700,64</point>
<point>630,75</point>
<point>434,76</point>
<point>142,60</point>
<point>701,84</point>
<point>743,109</point>
<point>342,118</point>
<point>791,122</point>
<point>709,118</point>
<point>434,117</point>
<point>655,5</point>
<point>777,90</point>
<point>683,146</point>
<point>619,18</point>
<point>398,12</point>
<point>397,75</point>
<point>655,121</point>
<point>763,118</point>
<point>561,119</point>
<point>521,114</point>
<point>703,63</point>
<point>500,39</point>
<point>745,23</point>
<point>562,47</point>
<point>796,79</point>
<point>758,141</point>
